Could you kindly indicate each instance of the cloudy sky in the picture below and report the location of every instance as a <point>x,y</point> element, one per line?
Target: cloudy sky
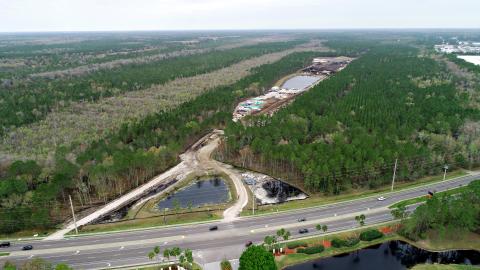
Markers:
<point>97,15</point>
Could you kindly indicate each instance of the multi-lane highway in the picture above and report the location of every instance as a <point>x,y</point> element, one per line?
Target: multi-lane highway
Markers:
<point>129,248</point>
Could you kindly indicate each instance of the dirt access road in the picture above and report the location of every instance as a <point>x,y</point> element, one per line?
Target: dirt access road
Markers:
<point>196,159</point>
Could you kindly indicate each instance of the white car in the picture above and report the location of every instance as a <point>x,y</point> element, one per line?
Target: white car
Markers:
<point>381,198</point>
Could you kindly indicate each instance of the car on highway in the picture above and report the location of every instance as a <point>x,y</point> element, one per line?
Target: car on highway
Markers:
<point>213,228</point>
<point>249,243</point>
<point>302,219</point>
<point>381,198</point>
<point>27,247</point>
<point>302,231</point>
<point>5,244</point>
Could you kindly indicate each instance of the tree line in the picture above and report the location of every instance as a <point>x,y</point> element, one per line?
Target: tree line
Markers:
<point>30,100</point>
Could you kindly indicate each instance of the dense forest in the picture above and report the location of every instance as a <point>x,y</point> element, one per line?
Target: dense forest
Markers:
<point>446,215</point>
<point>33,198</point>
<point>347,132</point>
<point>30,100</point>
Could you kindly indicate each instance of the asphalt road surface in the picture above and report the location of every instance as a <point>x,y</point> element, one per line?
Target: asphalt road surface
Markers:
<point>131,248</point>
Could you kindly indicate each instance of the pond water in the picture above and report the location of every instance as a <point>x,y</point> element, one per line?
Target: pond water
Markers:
<point>392,255</point>
<point>202,192</point>
<point>474,59</point>
<point>300,82</point>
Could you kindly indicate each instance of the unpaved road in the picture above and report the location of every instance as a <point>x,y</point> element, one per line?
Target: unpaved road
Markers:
<point>196,159</point>
<point>204,158</point>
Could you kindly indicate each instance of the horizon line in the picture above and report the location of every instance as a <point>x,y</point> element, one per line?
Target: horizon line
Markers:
<point>241,30</point>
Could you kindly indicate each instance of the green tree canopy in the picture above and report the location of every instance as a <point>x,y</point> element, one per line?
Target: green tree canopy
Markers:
<point>257,258</point>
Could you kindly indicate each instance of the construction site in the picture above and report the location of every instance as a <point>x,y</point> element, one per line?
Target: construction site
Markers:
<point>295,84</point>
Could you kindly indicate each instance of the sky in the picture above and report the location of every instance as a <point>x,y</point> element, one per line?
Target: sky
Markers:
<point>127,15</point>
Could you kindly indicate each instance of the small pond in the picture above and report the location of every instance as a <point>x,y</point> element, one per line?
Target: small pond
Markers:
<point>300,82</point>
<point>392,255</point>
<point>202,192</point>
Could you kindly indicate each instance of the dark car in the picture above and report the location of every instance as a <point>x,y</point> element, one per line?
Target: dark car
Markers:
<point>5,244</point>
<point>302,219</point>
<point>302,231</point>
<point>249,243</point>
<point>27,247</point>
<point>213,228</point>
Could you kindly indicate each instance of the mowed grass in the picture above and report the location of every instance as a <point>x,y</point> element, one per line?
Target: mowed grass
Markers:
<point>152,222</point>
<point>28,233</point>
<point>164,266</point>
<point>319,199</point>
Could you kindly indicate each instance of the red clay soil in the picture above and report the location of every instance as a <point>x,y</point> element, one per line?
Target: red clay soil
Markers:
<point>327,243</point>
<point>389,229</point>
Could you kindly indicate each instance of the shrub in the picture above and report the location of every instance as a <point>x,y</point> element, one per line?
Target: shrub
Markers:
<point>225,265</point>
<point>311,250</point>
<point>296,244</point>
<point>349,242</point>
<point>370,235</point>
<point>337,242</point>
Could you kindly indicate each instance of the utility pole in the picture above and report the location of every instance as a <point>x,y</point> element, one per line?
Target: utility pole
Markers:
<point>445,172</point>
<point>73,214</point>
<point>253,197</point>
<point>394,172</point>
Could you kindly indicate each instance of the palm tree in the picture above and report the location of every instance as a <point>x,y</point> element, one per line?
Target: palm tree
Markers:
<point>156,251</point>
<point>175,251</point>
<point>151,255</point>
<point>269,240</point>
<point>318,227</point>
<point>360,219</point>
<point>324,228</point>
<point>286,235</point>
<point>189,255</point>
<point>166,254</point>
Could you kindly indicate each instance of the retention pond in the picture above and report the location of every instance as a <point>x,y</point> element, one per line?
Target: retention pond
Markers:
<point>197,194</point>
<point>392,255</point>
<point>300,82</point>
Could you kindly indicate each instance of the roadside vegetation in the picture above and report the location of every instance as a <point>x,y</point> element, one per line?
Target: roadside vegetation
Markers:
<point>36,264</point>
<point>319,199</point>
<point>446,215</point>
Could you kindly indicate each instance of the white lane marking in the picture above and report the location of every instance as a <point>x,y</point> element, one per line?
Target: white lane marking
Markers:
<point>90,257</point>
